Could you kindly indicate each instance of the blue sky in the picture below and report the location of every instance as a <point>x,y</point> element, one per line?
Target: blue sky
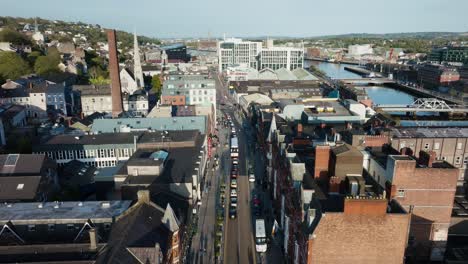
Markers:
<point>295,18</point>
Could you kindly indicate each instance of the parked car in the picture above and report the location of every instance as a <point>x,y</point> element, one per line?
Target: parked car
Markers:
<point>232,212</point>
<point>234,183</point>
<point>233,193</point>
<point>251,175</point>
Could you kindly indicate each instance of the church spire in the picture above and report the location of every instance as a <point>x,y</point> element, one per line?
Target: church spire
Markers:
<point>36,28</point>
<point>137,71</point>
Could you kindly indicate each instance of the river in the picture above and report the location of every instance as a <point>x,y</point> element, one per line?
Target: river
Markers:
<point>378,94</point>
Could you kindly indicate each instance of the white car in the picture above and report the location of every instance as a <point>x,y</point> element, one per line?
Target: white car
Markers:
<point>251,178</point>
<point>234,184</point>
<point>233,193</point>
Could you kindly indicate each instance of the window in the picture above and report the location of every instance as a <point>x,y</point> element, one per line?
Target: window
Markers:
<point>107,226</point>
<point>400,193</point>
<point>31,228</point>
<point>51,227</point>
<point>436,145</point>
<point>457,160</point>
<point>459,145</point>
<point>70,227</point>
<point>426,146</point>
<point>20,186</point>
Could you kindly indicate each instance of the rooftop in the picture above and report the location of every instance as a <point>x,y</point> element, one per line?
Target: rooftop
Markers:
<point>21,164</point>
<point>159,123</point>
<point>264,86</point>
<point>433,132</point>
<point>178,168</point>
<point>62,210</point>
<point>61,141</point>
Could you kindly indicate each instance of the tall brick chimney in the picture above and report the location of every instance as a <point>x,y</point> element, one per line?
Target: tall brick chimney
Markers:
<point>427,158</point>
<point>299,130</point>
<point>322,159</point>
<point>116,92</point>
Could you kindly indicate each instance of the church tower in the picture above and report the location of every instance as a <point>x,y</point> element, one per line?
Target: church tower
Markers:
<point>137,71</point>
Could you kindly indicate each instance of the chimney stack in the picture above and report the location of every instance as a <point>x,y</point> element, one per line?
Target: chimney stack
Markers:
<point>143,196</point>
<point>427,158</point>
<point>93,239</point>
<point>299,130</point>
<point>116,91</point>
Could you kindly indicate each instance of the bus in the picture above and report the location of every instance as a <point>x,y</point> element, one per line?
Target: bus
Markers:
<point>234,147</point>
<point>260,236</point>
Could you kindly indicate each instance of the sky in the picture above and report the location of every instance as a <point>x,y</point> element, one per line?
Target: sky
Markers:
<point>250,18</point>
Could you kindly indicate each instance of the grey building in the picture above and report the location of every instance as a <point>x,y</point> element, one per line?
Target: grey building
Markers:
<point>57,231</point>
<point>108,149</point>
<point>97,98</point>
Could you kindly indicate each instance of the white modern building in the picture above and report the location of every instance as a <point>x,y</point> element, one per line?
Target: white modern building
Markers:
<point>235,51</point>
<point>251,54</point>
<point>198,89</point>
<point>358,50</point>
<point>281,57</point>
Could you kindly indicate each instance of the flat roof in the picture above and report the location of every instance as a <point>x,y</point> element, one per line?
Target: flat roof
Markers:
<point>432,132</point>
<point>156,123</point>
<point>338,109</point>
<point>179,167</point>
<point>72,141</point>
<point>62,210</point>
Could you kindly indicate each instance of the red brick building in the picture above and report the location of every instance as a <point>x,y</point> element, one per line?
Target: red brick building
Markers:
<point>362,233</point>
<point>427,189</point>
<point>173,99</point>
<point>351,223</point>
<point>433,76</point>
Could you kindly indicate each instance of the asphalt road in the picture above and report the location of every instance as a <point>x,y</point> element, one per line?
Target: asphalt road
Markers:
<point>239,247</point>
<point>238,236</point>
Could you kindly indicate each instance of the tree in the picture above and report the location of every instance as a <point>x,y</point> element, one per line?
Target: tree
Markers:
<point>15,37</point>
<point>12,66</point>
<point>46,65</point>
<point>32,57</point>
<point>156,84</point>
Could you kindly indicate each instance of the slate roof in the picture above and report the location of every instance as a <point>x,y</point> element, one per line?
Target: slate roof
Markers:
<point>52,211</point>
<point>26,165</point>
<point>140,228</point>
<point>9,188</point>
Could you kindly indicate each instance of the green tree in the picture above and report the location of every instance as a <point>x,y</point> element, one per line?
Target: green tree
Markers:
<point>15,37</point>
<point>32,57</point>
<point>46,65</point>
<point>12,66</point>
<point>156,84</point>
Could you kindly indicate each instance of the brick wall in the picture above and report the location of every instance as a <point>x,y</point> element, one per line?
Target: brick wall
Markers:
<point>431,191</point>
<point>322,159</point>
<point>371,207</point>
<point>173,99</point>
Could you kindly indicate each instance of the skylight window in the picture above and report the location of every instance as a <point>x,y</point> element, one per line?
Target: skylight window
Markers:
<point>20,186</point>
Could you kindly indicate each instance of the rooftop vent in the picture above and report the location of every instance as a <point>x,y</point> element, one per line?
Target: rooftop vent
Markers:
<point>105,205</point>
